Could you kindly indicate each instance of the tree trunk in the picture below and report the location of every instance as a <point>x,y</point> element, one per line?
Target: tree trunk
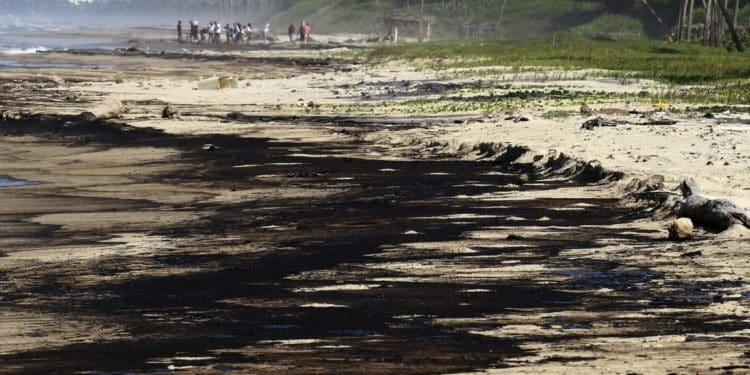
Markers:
<point>645,2</point>
<point>717,24</point>
<point>685,30</point>
<point>732,30</point>
<point>708,25</point>
<point>717,214</point>
<point>681,20</point>
<point>108,109</point>
<point>690,21</point>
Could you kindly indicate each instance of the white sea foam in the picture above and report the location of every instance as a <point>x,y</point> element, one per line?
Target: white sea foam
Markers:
<point>21,50</point>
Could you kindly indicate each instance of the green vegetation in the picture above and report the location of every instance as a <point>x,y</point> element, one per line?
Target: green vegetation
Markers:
<point>489,101</point>
<point>727,93</point>
<point>614,26</point>
<point>336,16</point>
<point>679,64</point>
<point>494,19</point>
<point>487,19</point>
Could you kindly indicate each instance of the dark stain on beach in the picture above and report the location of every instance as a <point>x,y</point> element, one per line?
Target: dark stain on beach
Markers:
<point>238,310</point>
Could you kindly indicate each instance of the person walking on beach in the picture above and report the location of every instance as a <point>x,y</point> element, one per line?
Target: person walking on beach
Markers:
<point>217,32</point>
<point>266,30</point>
<point>308,31</point>
<point>179,31</point>
<point>239,33</point>
<point>193,31</point>
<point>291,30</point>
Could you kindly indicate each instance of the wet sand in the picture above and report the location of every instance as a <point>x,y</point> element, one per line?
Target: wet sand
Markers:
<point>311,242</point>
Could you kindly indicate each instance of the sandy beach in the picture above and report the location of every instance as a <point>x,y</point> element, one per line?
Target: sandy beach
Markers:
<point>324,215</point>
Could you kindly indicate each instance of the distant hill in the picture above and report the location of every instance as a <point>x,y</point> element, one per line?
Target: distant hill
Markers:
<point>511,19</point>
<point>514,19</point>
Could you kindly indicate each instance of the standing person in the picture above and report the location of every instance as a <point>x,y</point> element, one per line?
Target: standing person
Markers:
<point>266,30</point>
<point>238,33</point>
<point>302,32</point>
<point>217,32</point>
<point>308,30</point>
<point>205,31</point>
<point>193,31</point>
<point>291,30</point>
<point>179,31</point>
<point>228,33</point>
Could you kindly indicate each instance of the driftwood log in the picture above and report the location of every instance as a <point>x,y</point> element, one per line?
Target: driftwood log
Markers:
<point>717,214</point>
<point>602,122</point>
<point>109,108</point>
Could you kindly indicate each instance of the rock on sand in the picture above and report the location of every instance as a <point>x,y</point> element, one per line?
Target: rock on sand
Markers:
<point>681,229</point>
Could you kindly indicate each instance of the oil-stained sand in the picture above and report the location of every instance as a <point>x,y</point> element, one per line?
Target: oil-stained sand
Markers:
<point>385,266</point>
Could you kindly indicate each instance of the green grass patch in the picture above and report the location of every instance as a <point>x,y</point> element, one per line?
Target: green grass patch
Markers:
<point>612,26</point>
<point>679,64</point>
<point>728,93</point>
<point>491,103</point>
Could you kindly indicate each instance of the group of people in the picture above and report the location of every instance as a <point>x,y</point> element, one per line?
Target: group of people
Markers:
<point>238,33</point>
<point>234,33</point>
<point>305,29</point>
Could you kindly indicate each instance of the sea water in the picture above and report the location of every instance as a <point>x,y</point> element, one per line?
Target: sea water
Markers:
<point>15,44</point>
<point>7,182</point>
<point>19,39</point>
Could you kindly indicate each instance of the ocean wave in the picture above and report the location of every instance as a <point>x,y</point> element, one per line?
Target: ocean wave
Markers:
<point>21,50</point>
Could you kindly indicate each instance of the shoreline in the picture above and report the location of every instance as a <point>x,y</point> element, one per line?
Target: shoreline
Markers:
<point>708,149</point>
<point>637,151</point>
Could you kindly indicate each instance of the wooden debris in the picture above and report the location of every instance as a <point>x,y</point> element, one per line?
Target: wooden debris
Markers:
<point>110,108</point>
<point>717,214</point>
<point>600,122</point>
